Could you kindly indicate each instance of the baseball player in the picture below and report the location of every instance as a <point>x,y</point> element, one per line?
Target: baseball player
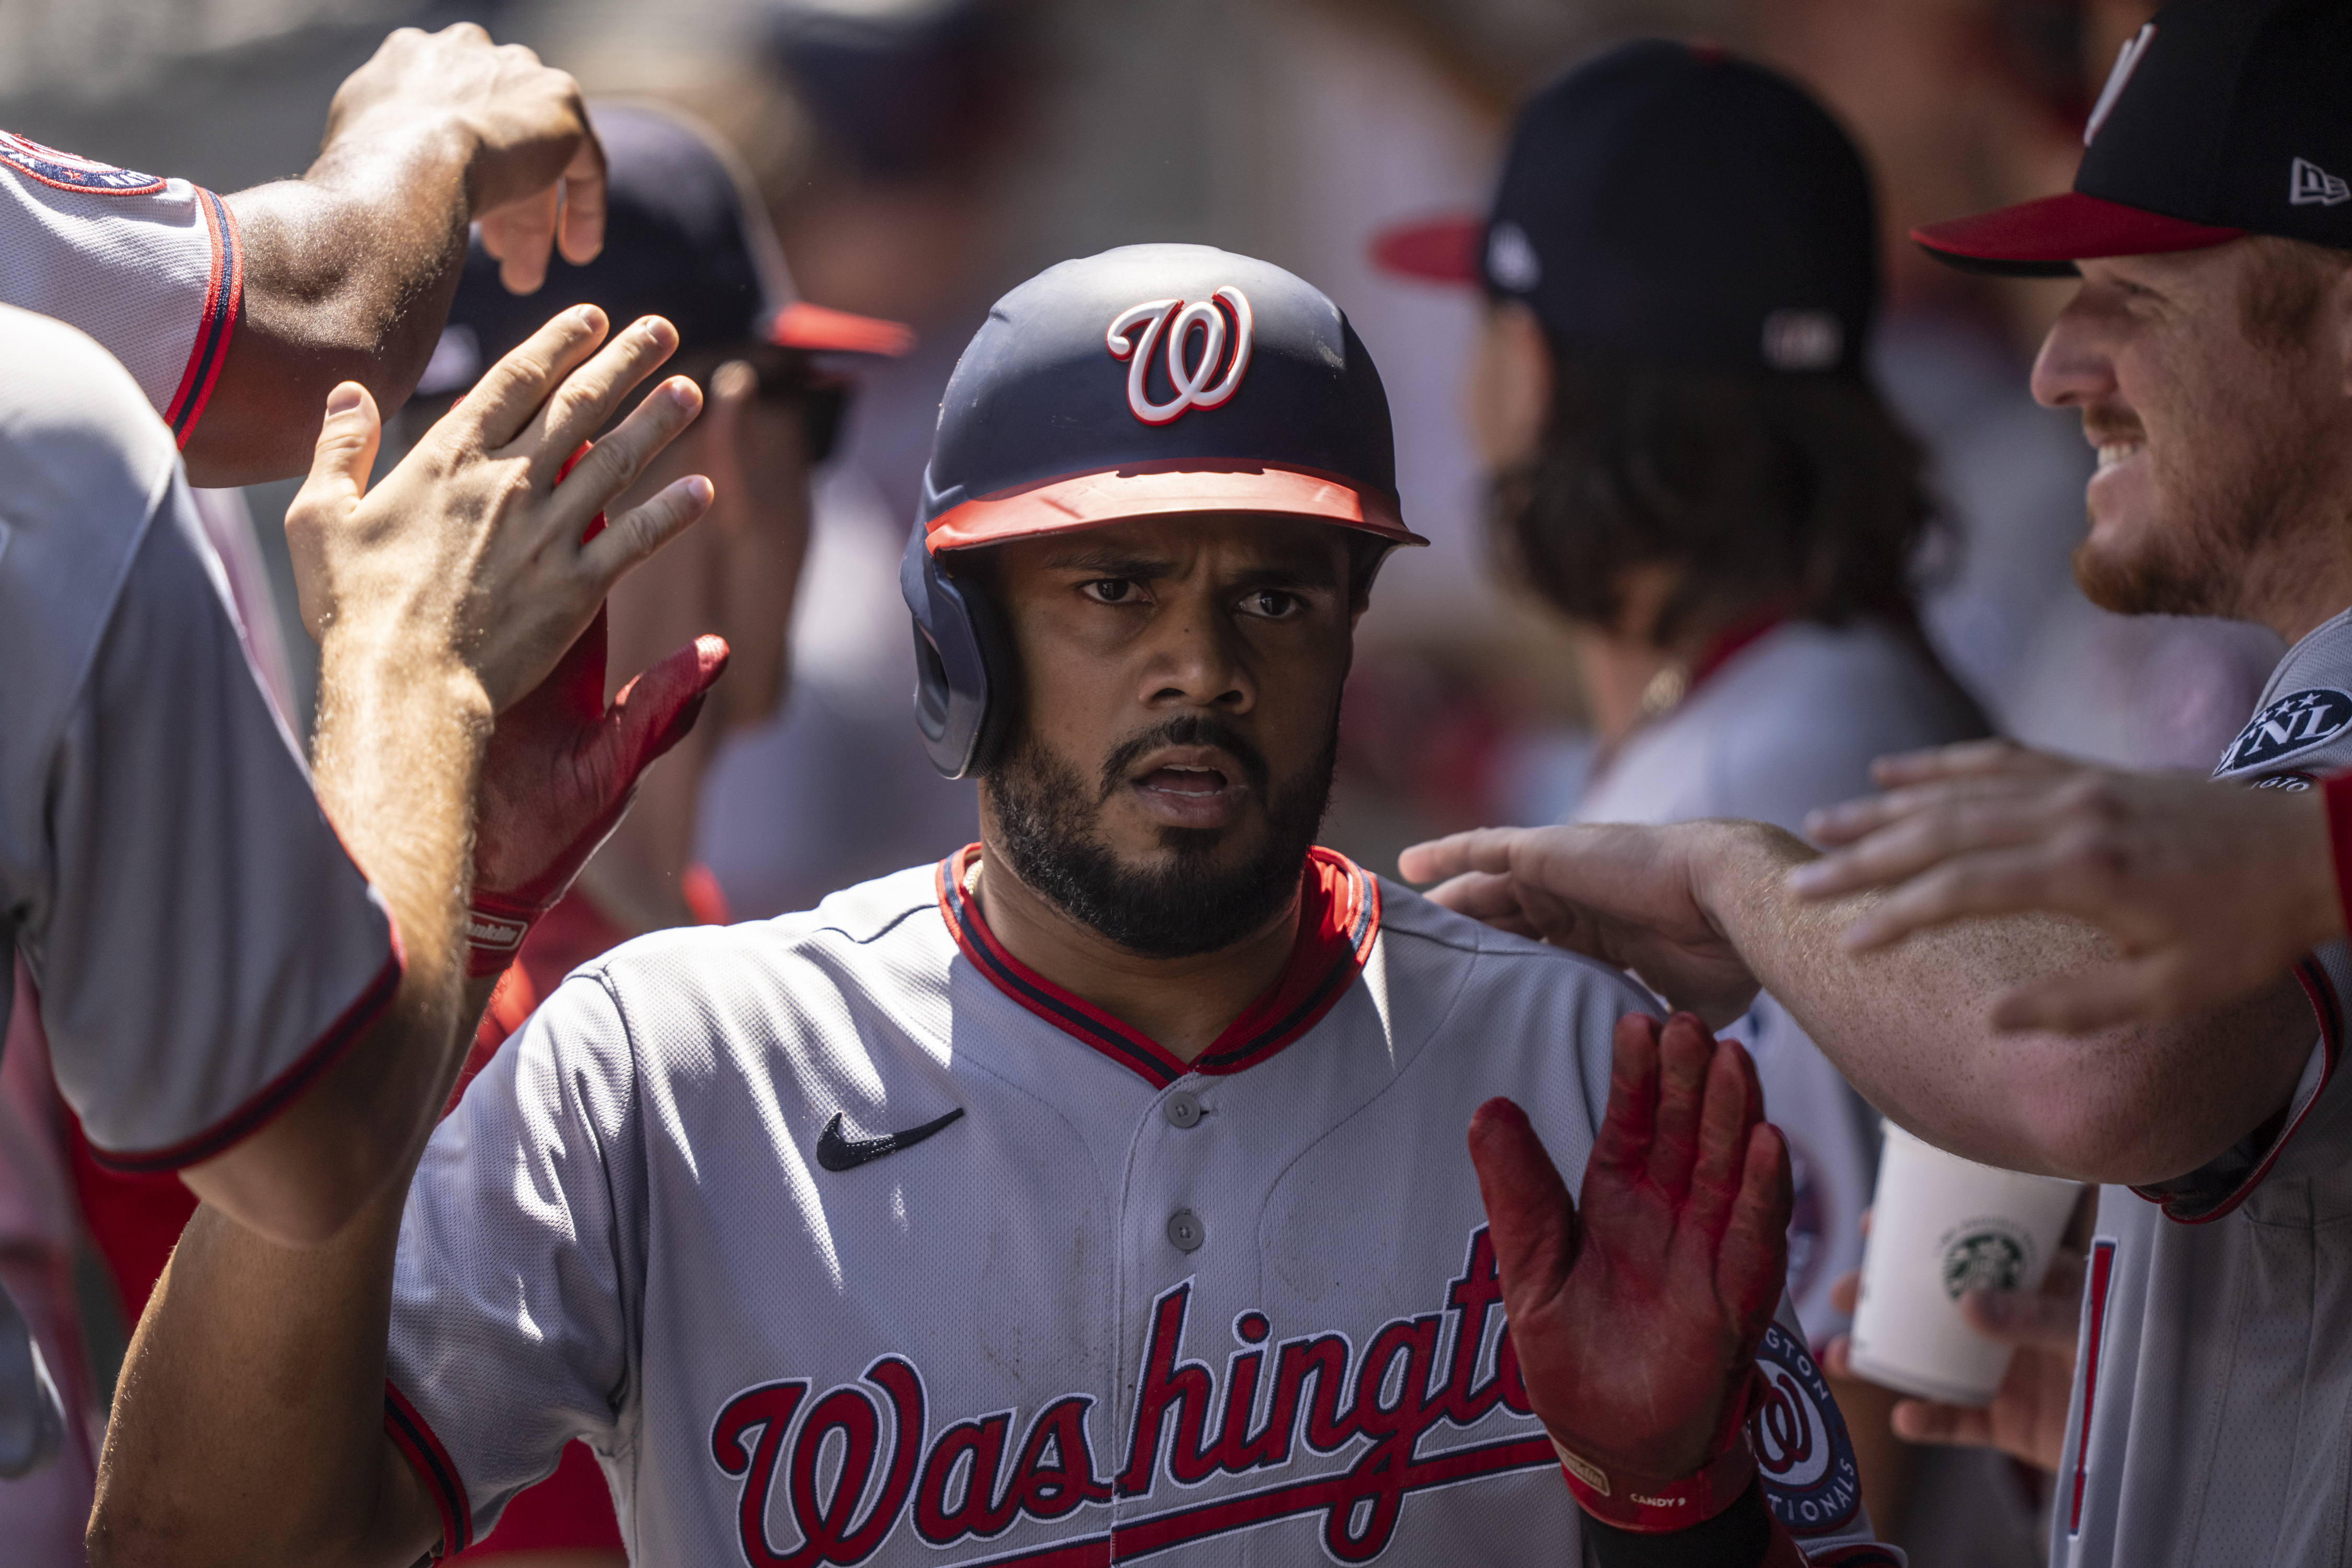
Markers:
<point>252,307</point>
<point>2207,349</point>
<point>686,240</point>
<point>1098,1192</point>
<point>1744,643</point>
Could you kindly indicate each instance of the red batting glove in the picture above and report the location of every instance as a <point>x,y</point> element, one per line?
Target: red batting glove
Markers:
<point>559,773</point>
<point>1636,1322</point>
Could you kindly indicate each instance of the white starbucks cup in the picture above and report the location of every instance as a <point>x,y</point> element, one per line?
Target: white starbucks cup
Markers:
<point>1941,1226</point>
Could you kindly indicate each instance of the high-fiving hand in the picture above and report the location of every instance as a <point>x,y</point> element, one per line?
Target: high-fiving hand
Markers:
<point>1627,896</point>
<point>1636,1319</point>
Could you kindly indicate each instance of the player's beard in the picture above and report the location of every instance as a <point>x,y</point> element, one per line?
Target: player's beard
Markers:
<point>2216,549</point>
<point>1191,902</point>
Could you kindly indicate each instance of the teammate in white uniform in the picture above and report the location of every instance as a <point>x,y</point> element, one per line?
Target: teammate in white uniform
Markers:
<point>2207,348</point>
<point>1095,1193</point>
<point>260,952</point>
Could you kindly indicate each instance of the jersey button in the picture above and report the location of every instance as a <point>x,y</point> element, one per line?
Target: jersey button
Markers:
<point>1182,1109</point>
<point>1185,1231</point>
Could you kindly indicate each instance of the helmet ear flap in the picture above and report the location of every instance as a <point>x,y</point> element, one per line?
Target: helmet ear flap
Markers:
<point>961,659</point>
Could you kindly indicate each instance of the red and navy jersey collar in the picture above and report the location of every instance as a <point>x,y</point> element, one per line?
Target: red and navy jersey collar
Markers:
<point>1338,916</point>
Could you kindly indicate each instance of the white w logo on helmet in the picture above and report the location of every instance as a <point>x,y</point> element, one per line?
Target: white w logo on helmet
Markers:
<point>1177,320</point>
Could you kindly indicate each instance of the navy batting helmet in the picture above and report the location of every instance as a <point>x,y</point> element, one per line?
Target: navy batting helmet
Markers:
<point>1147,380</point>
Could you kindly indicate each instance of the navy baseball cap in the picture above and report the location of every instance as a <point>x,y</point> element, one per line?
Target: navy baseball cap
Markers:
<point>1155,379</point>
<point>1668,201</point>
<point>2220,118</point>
<point>683,239</point>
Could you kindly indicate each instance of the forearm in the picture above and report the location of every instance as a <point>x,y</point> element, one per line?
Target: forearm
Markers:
<point>248,1421</point>
<point>399,755</point>
<point>1910,1026</point>
<point>348,276</point>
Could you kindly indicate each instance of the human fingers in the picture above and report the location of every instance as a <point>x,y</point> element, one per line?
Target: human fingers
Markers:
<point>583,234</point>
<point>1486,850</point>
<point>1883,838</point>
<point>349,438</point>
<point>1964,760</point>
<point>1685,1052</point>
<point>1845,1292</point>
<point>610,466</point>
<point>2089,999</point>
<point>586,398</point>
<point>642,530</point>
<point>1631,1118</point>
<point>1752,1261</point>
<point>1927,1421</point>
<point>2068,871</point>
<point>1530,1216</point>
<point>520,235</point>
<point>1730,1104</point>
<point>2023,1318</point>
<point>1489,896</point>
<point>510,393</point>
<point>658,707</point>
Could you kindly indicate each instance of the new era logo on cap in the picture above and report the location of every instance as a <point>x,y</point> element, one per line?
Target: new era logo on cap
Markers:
<point>2126,61</point>
<point>2309,185</point>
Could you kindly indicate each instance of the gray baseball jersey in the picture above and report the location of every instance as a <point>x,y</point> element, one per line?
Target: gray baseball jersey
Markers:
<point>149,266</point>
<point>1790,721</point>
<point>845,1237</point>
<point>2211,1418</point>
<point>203,945</point>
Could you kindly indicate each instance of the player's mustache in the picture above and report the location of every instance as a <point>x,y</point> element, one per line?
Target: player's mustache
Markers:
<point>1189,730</point>
<point>2108,427</point>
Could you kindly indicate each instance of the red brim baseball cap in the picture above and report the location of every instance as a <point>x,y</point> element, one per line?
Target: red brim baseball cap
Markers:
<point>801,325</point>
<point>2045,237</point>
<point>2221,118</point>
<point>1433,250</point>
<point>1179,485</point>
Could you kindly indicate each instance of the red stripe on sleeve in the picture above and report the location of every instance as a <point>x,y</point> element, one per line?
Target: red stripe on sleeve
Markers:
<point>224,306</point>
<point>2103,1267</point>
<point>413,1436</point>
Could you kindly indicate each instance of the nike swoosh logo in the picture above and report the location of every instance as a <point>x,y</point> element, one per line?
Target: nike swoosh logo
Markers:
<point>836,1152</point>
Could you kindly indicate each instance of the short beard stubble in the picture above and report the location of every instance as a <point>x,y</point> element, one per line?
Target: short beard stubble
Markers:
<point>1045,817</point>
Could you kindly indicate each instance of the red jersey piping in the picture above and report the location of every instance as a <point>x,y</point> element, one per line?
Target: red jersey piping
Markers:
<point>413,1435</point>
<point>223,304</point>
<point>280,1092</point>
<point>1339,915</point>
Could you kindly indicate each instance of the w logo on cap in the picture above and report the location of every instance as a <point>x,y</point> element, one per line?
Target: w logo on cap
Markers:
<point>1197,385</point>
<point>2309,185</point>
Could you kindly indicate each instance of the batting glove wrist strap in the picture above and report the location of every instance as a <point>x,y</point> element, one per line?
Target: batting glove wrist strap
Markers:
<point>1652,1506</point>
<point>495,929</point>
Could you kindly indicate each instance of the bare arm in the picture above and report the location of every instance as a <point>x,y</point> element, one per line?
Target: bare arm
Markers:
<point>349,271</point>
<point>442,596</point>
<point>2209,892</point>
<point>249,1422</point>
<point>1703,914</point>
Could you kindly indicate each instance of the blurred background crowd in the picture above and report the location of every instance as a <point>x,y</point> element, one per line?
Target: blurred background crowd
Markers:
<point>918,157</point>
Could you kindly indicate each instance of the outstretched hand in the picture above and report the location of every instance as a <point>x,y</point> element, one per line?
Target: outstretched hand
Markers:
<point>1627,896</point>
<point>475,550</point>
<point>535,175</point>
<point>1636,1321</point>
<point>560,772</point>
<point>2209,892</point>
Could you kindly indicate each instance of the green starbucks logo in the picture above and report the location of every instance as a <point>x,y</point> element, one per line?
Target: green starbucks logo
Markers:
<point>1983,1259</point>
